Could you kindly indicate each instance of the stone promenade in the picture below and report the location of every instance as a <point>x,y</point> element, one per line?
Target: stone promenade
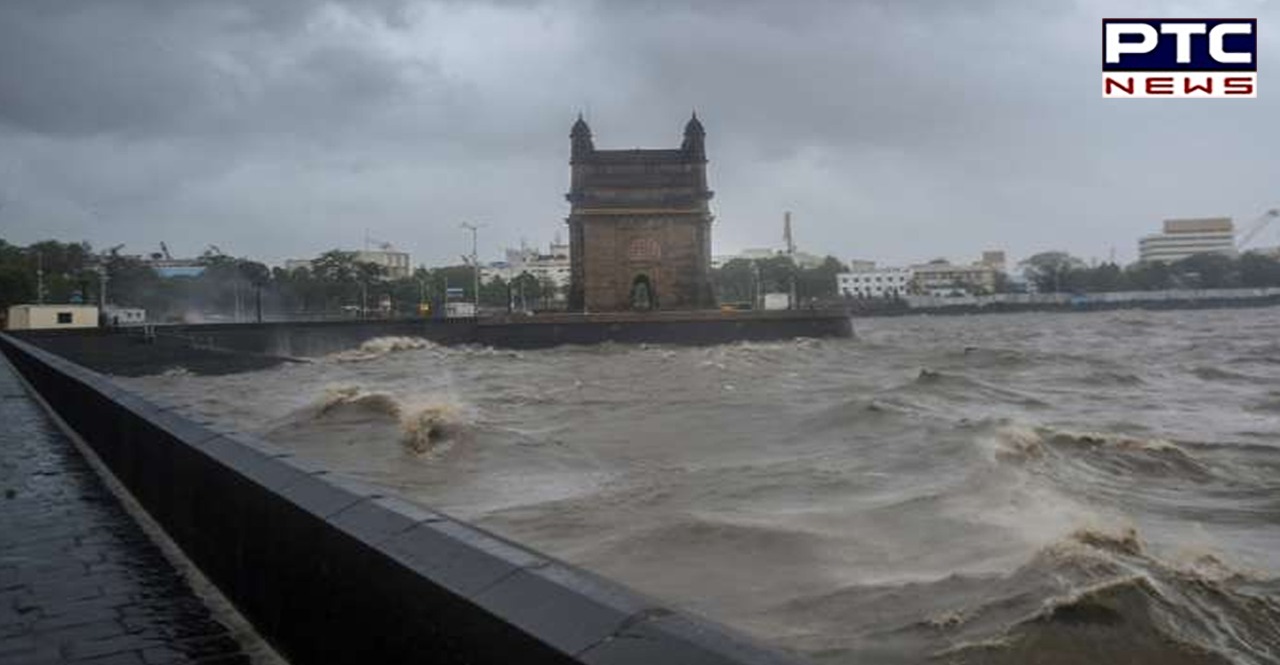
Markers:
<point>79,580</point>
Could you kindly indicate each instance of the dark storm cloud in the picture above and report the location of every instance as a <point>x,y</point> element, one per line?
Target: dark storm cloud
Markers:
<point>155,68</point>
<point>896,130</point>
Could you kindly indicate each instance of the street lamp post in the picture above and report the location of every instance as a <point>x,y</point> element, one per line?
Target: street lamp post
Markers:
<point>475,262</point>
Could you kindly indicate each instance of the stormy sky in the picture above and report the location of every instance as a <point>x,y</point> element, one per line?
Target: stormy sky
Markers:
<point>895,130</point>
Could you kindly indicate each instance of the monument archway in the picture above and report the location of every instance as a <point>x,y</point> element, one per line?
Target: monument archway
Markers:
<point>643,297</point>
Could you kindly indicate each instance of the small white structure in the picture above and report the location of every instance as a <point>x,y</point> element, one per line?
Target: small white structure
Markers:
<point>460,310</point>
<point>46,317</point>
<point>124,316</point>
<point>777,301</point>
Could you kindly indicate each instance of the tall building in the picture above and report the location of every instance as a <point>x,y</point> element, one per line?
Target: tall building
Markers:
<point>1185,237</point>
<point>639,225</point>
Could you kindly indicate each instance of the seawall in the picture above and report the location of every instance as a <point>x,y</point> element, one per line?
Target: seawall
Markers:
<point>222,348</point>
<point>332,571</point>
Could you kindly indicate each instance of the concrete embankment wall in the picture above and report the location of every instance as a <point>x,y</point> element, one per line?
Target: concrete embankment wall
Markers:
<point>661,328</point>
<point>1029,302</point>
<point>331,571</point>
<point>223,348</point>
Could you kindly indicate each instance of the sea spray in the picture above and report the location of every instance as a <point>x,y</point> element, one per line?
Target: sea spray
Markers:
<point>427,424</point>
<point>433,428</point>
<point>378,347</point>
<point>902,520</point>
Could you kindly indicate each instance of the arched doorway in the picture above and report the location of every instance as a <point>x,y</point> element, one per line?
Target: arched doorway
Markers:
<point>642,296</point>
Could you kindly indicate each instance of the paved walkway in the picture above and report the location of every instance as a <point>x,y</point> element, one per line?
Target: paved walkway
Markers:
<point>79,580</point>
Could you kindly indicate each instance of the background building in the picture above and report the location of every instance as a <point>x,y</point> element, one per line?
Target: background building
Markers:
<point>994,259</point>
<point>939,277</point>
<point>396,264</point>
<point>553,267</point>
<point>1185,237</point>
<point>865,280</point>
<point>943,278</point>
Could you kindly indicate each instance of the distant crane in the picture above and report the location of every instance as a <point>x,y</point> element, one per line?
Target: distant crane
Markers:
<point>1255,227</point>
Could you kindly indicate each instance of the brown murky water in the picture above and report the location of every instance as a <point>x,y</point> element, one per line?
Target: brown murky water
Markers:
<point>1009,489</point>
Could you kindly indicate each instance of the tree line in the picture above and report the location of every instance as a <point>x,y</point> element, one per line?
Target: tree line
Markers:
<point>1059,272</point>
<point>337,284</point>
<point>742,280</point>
<point>237,288</point>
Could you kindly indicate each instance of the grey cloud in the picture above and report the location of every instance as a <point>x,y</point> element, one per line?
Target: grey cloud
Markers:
<point>897,130</point>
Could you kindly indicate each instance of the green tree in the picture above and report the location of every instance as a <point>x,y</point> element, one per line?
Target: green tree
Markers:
<point>527,290</point>
<point>776,273</point>
<point>1149,276</point>
<point>495,293</point>
<point>735,281</point>
<point>1259,270</point>
<point>1047,269</point>
<point>820,281</point>
<point>1208,271</point>
<point>335,265</point>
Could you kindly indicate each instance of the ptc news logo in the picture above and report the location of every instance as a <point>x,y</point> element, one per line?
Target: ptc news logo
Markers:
<point>1180,57</point>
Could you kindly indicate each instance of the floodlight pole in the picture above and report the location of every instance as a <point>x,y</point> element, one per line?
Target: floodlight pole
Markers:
<point>475,262</point>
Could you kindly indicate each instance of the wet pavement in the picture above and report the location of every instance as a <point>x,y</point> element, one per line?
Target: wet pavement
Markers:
<point>80,582</point>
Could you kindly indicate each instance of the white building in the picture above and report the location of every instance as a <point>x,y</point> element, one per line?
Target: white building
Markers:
<point>868,281</point>
<point>45,317</point>
<point>1185,237</point>
<point>943,278</point>
<point>939,277</point>
<point>552,267</point>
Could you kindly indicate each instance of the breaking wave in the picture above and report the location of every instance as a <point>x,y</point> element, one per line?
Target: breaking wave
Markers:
<point>378,347</point>
<point>1117,453</point>
<point>1095,595</point>
<point>1113,601</point>
<point>426,426</point>
<point>841,502</point>
<point>959,387</point>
